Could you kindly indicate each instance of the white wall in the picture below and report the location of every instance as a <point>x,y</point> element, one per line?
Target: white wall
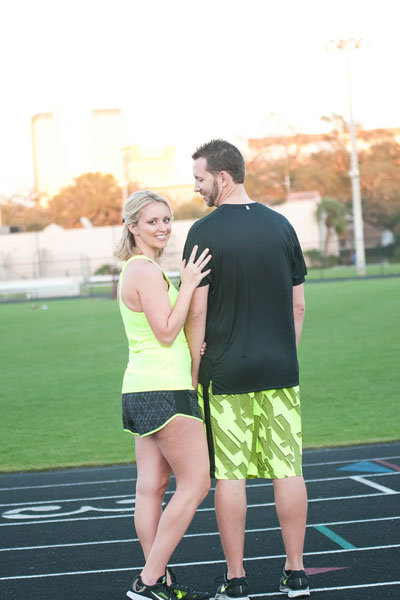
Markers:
<point>56,252</point>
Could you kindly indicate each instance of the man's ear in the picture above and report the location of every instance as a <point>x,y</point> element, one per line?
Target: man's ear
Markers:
<point>225,178</point>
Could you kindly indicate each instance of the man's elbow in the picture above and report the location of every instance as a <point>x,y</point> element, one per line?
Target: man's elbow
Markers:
<point>197,314</point>
<point>299,310</point>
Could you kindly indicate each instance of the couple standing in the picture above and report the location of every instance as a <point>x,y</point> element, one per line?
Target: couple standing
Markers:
<point>242,293</point>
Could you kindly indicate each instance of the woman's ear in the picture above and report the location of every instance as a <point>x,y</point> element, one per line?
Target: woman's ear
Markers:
<point>133,229</point>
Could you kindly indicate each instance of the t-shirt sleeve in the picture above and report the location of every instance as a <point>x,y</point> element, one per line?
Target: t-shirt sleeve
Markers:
<point>194,238</point>
<point>299,269</point>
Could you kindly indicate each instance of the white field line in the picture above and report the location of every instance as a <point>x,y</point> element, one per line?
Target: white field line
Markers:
<point>194,535</point>
<point>130,513</point>
<point>197,563</point>
<point>372,484</point>
<point>320,464</point>
<point>256,485</point>
<point>339,588</point>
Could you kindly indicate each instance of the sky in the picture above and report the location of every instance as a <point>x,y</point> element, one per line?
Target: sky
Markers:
<point>186,71</point>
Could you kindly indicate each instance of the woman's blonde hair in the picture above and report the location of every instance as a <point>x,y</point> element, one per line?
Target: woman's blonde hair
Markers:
<point>126,246</point>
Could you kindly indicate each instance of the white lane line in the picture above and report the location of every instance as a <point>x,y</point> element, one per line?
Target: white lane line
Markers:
<point>316,480</point>
<point>348,461</point>
<point>193,535</point>
<point>130,513</point>
<point>54,485</point>
<point>386,444</point>
<point>332,589</point>
<point>45,521</point>
<point>197,563</point>
<point>57,501</point>
<point>33,487</point>
<point>250,486</point>
<point>372,484</point>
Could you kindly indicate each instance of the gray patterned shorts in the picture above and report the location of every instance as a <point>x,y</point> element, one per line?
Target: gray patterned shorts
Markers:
<point>144,413</point>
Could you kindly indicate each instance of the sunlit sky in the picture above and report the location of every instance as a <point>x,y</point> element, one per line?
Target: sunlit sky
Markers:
<point>186,71</point>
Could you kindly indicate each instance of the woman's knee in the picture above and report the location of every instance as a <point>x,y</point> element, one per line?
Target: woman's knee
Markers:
<point>205,488</point>
<point>197,489</point>
<point>152,485</point>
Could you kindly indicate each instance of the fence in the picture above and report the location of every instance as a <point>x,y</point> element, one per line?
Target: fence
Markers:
<point>84,276</point>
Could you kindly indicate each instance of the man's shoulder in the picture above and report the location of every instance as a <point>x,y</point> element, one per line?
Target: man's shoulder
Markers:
<point>269,211</point>
<point>202,223</point>
<point>277,217</point>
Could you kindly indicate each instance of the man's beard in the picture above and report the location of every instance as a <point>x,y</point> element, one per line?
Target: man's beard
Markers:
<point>213,195</point>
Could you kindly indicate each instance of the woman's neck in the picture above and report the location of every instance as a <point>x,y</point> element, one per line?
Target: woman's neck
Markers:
<point>154,254</point>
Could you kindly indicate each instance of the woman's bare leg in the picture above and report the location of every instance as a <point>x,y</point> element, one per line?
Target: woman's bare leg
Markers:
<point>183,445</point>
<point>154,474</point>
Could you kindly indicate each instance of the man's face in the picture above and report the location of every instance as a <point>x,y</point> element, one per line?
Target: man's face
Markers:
<point>205,183</point>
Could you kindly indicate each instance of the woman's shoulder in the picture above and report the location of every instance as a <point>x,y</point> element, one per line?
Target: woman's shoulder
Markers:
<point>141,266</point>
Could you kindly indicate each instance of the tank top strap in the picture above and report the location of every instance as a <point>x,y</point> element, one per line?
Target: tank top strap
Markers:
<point>138,256</point>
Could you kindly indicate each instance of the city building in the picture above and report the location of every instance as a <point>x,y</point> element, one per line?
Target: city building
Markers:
<point>70,142</point>
<point>156,169</point>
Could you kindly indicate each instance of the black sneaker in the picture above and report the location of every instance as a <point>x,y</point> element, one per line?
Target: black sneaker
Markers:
<point>158,591</point>
<point>295,584</point>
<point>237,588</point>
<point>180,591</point>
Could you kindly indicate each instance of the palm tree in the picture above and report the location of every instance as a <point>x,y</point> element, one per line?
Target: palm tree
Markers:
<point>332,213</point>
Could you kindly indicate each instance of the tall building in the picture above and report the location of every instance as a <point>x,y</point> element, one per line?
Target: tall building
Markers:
<point>156,169</point>
<point>151,168</point>
<point>70,142</point>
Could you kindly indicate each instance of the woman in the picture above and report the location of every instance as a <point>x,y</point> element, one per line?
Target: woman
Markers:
<point>159,404</point>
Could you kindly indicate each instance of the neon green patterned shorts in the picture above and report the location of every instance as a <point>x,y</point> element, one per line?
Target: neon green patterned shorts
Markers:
<point>257,434</point>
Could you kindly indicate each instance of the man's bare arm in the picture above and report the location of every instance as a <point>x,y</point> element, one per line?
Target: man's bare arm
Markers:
<point>299,309</point>
<point>195,328</point>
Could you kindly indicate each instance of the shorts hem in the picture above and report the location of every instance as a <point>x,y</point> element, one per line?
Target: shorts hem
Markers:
<point>136,433</point>
<point>258,476</point>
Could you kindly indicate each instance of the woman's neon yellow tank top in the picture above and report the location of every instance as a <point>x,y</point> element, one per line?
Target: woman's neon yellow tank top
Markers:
<point>151,365</point>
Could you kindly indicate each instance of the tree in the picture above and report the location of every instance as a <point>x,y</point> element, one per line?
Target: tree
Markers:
<point>24,211</point>
<point>327,170</point>
<point>380,185</point>
<point>265,180</point>
<point>96,196</point>
<point>194,209</point>
<point>333,214</point>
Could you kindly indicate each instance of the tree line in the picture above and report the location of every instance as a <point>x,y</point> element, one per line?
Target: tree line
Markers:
<point>98,196</point>
<point>327,171</point>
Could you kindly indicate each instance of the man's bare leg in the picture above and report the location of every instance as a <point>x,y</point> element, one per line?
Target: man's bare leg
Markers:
<point>230,509</point>
<point>291,507</point>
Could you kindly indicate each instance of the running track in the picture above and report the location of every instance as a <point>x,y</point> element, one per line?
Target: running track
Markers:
<point>68,535</point>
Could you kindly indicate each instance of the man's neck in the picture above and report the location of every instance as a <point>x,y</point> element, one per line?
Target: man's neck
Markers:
<point>234,195</point>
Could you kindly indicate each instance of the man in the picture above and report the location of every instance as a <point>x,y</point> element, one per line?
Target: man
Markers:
<point>250,311</point>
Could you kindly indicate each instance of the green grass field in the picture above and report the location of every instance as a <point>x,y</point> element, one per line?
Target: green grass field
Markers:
<point>349,271</point>
<point>62,368</point>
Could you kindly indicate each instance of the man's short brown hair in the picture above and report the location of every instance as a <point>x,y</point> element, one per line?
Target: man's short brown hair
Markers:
<point>222,156</point>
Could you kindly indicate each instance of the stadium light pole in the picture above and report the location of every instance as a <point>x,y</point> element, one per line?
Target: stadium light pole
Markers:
<point>287,182</point>
<point>347,45</point>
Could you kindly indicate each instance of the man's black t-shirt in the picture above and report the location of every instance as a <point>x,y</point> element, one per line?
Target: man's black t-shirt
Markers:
<point>250,335</point>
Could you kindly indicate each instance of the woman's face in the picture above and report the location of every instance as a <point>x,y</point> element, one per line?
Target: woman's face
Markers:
<point>154,227</point>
